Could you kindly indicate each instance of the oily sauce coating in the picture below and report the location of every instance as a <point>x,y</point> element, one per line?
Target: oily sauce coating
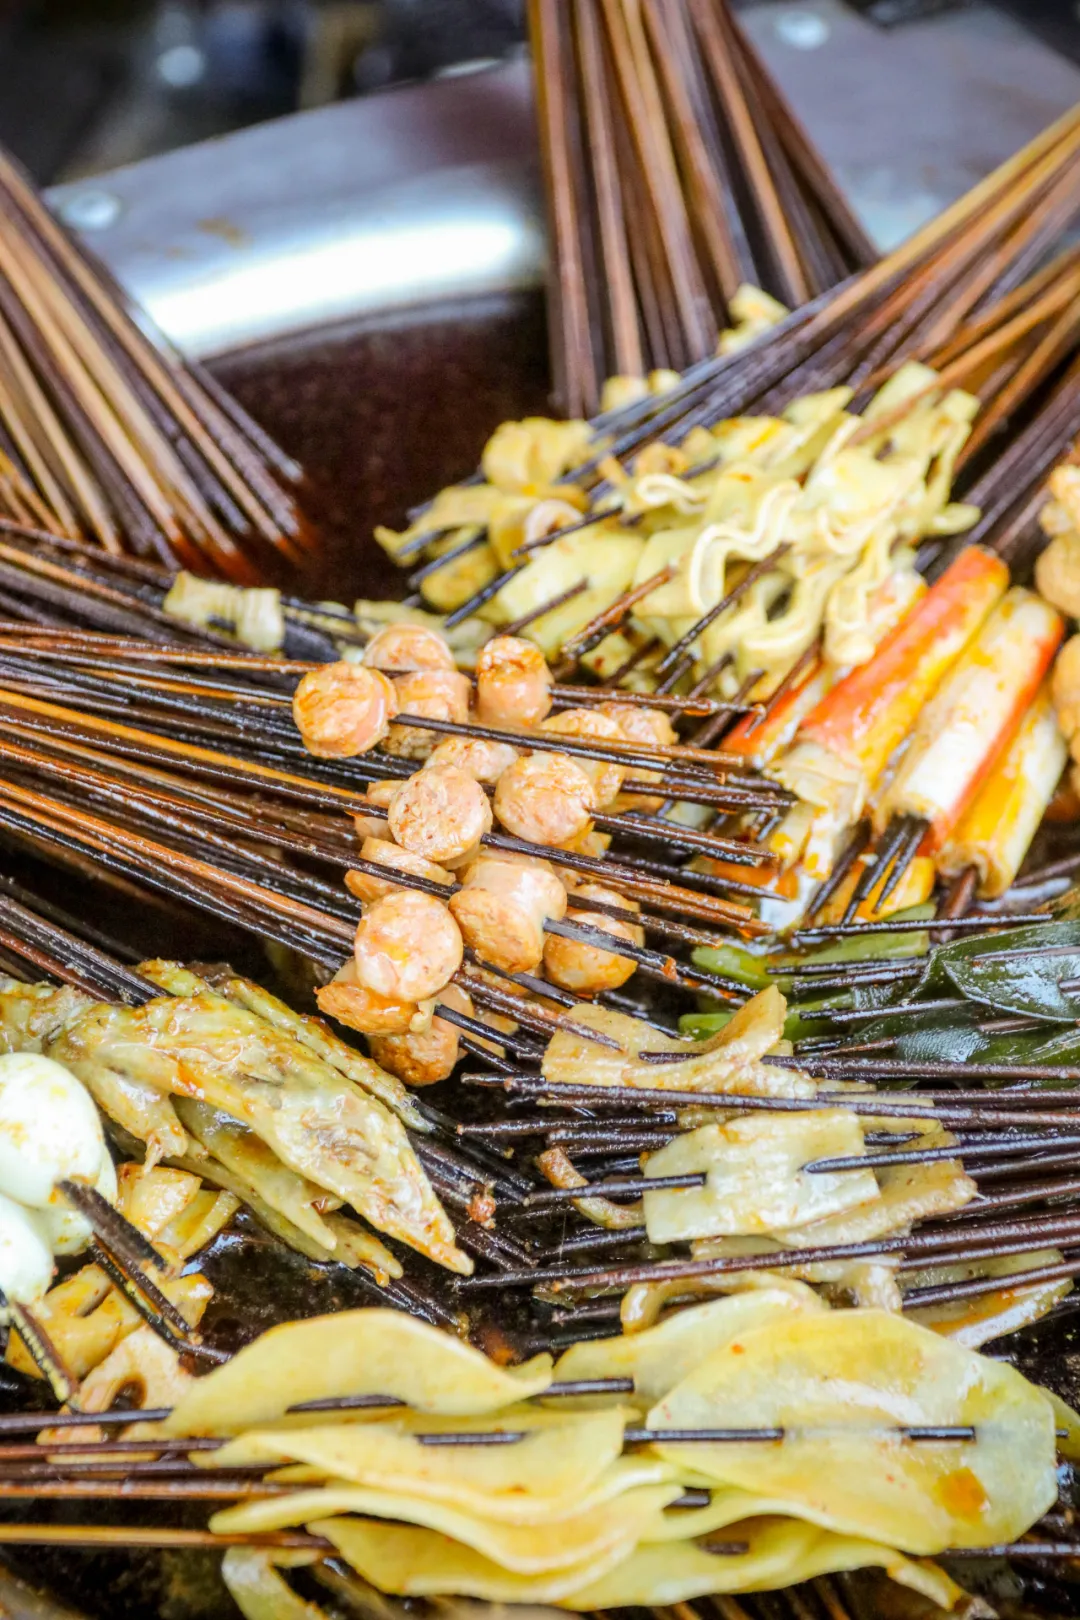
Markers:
<point>546,798</point>
<point>354,1005</point>
<point>484,761</point>
<point>407,946</point>
<point>650,726</point>
<point>343,709</point>
<point>430,1056</point>
<point>381,852</point>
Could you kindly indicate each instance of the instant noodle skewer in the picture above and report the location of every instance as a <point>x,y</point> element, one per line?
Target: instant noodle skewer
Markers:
<point>674,656</point>
<point>889,307</point>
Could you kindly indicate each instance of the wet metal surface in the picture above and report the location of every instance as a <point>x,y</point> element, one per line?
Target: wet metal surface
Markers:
<point>431,193</point>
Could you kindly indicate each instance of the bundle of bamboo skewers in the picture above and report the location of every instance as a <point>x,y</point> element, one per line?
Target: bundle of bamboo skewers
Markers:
<point>107,434</point>
<point>140,797</point>
<point>676,176</point>
<point>144,800</point>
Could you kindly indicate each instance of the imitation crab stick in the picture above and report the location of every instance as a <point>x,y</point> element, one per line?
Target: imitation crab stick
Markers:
<point>844,744</point>
<point>996,830</point>
<point>759,740</point>
<point>962,733</point>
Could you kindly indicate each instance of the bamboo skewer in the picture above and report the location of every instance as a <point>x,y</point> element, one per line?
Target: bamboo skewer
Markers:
<point>118,440</point>
<point>103,746</point>
<point>935,281</point>
<point>675,172</point>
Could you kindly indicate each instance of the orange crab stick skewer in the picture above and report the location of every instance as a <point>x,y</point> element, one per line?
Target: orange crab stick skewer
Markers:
<point>760,739</point>
<point>963,732</point>
<point>844,744</point>
<point>995,832</point>
<point>760,743</point>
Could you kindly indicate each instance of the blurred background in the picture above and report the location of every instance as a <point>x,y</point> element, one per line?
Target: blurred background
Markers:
<point>93,84</point>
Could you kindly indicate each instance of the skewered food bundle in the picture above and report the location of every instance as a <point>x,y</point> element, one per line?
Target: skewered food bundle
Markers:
<point>333,1132</point>
<point>755,536</point>
<point>804,739</point>
<point>641,1469</point>
<point>721,524</point>
<point>698,1115</point>
<point>62,1194</point>
<point>679,184</point>
<point>107,434</point>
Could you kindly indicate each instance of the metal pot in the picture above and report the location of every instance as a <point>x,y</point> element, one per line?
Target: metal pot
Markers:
<point>366,277</point>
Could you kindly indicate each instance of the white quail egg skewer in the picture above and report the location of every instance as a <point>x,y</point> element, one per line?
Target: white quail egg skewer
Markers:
<point>50,1133</point>
<point>26,1270</point>
<point>58,1190</point>
<point>26,1256</point>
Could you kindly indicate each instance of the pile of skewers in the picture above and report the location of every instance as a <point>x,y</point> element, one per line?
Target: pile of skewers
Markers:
<point>498,1497</point>
<point>107,435</point>
<point>645,1469</point>
<point>682,192</point>
<point>550,955</point>
<point>719,527</point>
